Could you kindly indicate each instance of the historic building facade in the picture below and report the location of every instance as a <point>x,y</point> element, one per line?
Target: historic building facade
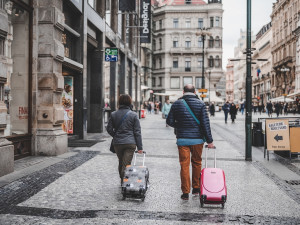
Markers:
<point>262,70</point>
<point>284,22</point>
<point>178,45</point>
<point>230,81</point>
<point>53,79</point>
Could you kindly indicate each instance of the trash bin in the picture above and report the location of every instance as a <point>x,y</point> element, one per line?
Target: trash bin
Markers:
<point>143,115</point>
<point>257,134</point>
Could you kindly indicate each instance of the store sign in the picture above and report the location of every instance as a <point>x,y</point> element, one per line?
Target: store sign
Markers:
<point>111,54</point>
<point>278,135</point>
<point>145,21</point>
<point>23,113</point>
<point>67,102</point>
<point>127,5</point>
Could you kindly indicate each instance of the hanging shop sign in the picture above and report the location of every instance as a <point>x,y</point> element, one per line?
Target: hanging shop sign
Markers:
<point>278,135</point>
<point>111,54</point>
<point>67,102</point>
<point>145,21</point>
<point>127,5</point>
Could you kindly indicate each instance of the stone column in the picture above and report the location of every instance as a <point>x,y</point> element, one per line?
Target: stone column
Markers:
<point>49,22</point>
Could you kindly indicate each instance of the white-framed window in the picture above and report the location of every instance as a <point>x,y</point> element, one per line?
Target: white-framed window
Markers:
<point>217,62</point>
<point>154,44</point>
<point>211,61</point>
<point>153,82</point>
<point>175,82</point>
<point>175,23</point>
<point>188,23</point>
<point>160,63</point>
<point>188,64</point>
<point>217,42</point>
<point>211,42</point>
<point>160,24</point>
<point>175,62</point>
<point>200,42</point>
<point>218,21</point>
<point>187,80</point>
<point>160,44</point>
<point>200,62</point>
<point>198,83</point>
<point>175,43</point>
<point>211,21</point>
<point>188,43</point>
<point>200,23</point>
<point>2,46</point>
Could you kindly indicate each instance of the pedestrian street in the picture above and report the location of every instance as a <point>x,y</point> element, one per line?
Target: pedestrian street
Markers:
<point>82,186</point>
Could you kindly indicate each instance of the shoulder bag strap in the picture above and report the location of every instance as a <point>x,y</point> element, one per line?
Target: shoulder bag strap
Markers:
<point>191,112</point>
<point>124,117</point>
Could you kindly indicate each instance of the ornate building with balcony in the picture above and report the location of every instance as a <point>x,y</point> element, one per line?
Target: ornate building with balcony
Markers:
<point>178,45</point>
<point>261,71</point>
<point>284,22</point>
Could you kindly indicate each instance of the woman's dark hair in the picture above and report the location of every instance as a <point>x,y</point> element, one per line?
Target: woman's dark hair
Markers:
<point>125,100</point>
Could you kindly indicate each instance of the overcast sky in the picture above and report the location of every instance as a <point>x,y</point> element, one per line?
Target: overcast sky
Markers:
<point>234,19</point>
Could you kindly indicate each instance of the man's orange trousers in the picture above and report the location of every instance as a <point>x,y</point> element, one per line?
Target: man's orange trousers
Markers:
<point>184,159</point>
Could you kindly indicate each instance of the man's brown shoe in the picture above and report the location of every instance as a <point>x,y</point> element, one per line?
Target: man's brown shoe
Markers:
<point>185,196</point>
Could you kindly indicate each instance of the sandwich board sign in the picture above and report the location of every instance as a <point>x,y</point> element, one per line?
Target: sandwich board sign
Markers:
<point>111,54</point>
<point>278,134</point>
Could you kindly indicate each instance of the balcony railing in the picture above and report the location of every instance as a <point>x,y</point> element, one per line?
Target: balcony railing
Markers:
<point>185,69</point>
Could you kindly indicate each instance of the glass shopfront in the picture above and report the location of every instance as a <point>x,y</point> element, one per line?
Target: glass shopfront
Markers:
<point>14,73</point>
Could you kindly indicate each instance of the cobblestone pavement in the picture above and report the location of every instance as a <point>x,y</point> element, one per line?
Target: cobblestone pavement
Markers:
<point>83,187</point>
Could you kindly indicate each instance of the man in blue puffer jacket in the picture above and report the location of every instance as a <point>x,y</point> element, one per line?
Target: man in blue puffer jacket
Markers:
<point>190,137</point>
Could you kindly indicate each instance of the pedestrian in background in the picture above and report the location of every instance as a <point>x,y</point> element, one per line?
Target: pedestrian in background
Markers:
<point>226,108</point>
<point>124,126</point>
<point>166,109</point>
<point>212,109</point>
<point>277,108</point>
<point>270,108</point>
<point>286,106</point>
<point>189,116</point>
<point>233,112</point>
<point>242,108</point>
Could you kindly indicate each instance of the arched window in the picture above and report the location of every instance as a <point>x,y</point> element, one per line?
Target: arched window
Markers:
<point>211,42</point>
<point>211,61</point>
<point>188,42</point>
<point>217,62</point>
<point>217,42</point>
<point>200,42</point>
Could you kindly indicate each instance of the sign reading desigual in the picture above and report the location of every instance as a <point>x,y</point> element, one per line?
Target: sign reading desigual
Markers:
<point>277,133</point>
<point>145,21</point>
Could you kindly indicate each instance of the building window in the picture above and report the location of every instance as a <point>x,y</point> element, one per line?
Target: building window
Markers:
<point>175,43</point>
<point>175,23</point>
<point>211,42</point>
<point>159,82</point>
<point>211,61</point>
<point>187,80</point>
<point>92,3</point>
<point>154,45</point>
<point>154,63</point>
<point>2,41</point>
<point>217,42</point>
<point>153,82</point>
<point>200,23</point>
<point>211,22</point>
<point>217,62</point>
<point>160,24</point>
<point>200,62</point>
<point>154,25</point>
<point>188,43</point>
<point>217,21</point>
<point>175,62</point>
<point>160,63</point>
<point>188,2</point>
<point>198,82</point>
<point>187,64</point>
<point>175,82</point>
<point>160,44</point>
<point>188,23</point>
<point>200,42</point>
<point>2,4</point>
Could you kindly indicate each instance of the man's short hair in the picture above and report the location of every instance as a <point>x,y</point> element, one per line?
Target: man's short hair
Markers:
<point>189,88</point>
<point>125,100</point>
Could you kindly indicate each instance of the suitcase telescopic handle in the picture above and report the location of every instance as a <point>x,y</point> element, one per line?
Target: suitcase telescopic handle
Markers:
<point>144,157</point>
<point>215,156</point>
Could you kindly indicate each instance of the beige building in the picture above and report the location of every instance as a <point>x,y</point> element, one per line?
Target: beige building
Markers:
<point>262,70</point>
<point>297,79</point>
<point>178,45</point>
<point>284,22</point>
<point>230,81</point>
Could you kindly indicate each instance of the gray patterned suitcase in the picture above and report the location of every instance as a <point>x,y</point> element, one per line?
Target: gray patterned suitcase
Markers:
<point>136,180</point>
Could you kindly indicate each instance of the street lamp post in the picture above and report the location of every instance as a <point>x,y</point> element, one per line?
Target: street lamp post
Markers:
<point>209,88</point>
<point>203,34</point>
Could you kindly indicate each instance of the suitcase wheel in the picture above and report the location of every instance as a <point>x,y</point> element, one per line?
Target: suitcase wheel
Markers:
<point>202,200</point>
<point>223,205</point>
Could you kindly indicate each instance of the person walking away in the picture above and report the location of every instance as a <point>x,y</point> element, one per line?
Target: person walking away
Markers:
<point>270,108</point>
<point>233,112</point>
<point>212,109</point>
<point>286,106</point>
<point>242,108</point>
<point>226,108</point>
<point>127,136</point>
<point>259,109</point>
<point>277,109</point>
<point>166,109</point>
<point>189,116</point>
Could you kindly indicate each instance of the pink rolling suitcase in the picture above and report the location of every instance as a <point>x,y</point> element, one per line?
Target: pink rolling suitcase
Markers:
<point>213,188</point>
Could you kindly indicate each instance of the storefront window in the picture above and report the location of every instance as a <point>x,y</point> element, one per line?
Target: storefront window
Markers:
<point>14,72</point>
<point>67,102</point>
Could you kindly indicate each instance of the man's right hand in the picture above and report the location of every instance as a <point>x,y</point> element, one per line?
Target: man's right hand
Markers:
<point>210,145</point>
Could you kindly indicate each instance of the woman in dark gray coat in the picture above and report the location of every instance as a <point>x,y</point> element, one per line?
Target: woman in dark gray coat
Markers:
<point>128,136</point>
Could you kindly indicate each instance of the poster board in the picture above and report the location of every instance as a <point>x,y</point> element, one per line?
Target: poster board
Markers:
<point>278,134</point>
<point>295,139</point>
